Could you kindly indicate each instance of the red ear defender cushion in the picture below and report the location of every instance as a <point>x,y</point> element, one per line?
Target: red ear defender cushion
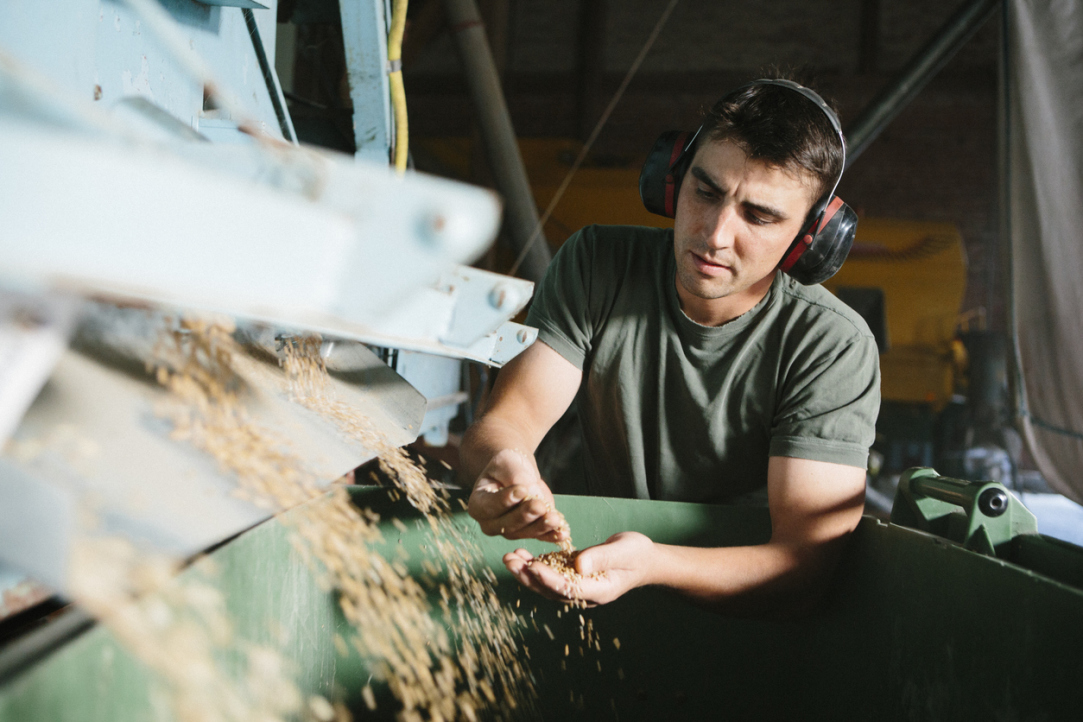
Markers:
<point>820,251</point>
<point>671,182</point>
<point>804,241</point>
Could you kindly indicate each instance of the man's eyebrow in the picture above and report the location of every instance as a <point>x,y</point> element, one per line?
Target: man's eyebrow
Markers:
<point>707,180</point>
<point>767,211</point>
<point>759,208</point>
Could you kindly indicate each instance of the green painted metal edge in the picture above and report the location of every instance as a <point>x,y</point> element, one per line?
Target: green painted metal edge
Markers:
<point>914,627</point>
<point>981,515</point>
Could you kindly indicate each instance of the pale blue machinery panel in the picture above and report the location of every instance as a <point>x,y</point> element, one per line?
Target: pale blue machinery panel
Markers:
<point>100,50</point>
<point>364,37</point>
<point>76,77</point>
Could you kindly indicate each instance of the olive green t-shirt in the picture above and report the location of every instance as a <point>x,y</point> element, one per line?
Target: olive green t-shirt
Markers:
<point>674,410</point>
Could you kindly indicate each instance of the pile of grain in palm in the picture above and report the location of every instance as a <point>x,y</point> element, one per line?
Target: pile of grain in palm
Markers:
<point>563,560</point>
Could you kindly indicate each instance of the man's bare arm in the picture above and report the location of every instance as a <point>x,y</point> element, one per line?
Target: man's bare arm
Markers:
<point>531,393</point>
<point>814,506</point>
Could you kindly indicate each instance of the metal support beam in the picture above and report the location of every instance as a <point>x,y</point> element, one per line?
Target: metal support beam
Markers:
<point>364,37</point>
<point>274,88</point>
<point>498,135</point>
<point>921,69</point>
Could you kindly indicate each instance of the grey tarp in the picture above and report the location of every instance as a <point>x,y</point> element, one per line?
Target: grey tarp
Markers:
<point>1045,171</point>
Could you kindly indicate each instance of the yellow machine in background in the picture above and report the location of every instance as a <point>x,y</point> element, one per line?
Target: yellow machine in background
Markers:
<point>597,194</point>
<point>910,274</point>
<point>921,270</point>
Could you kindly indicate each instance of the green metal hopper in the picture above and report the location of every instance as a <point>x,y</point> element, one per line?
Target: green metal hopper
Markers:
<point>915,627</point>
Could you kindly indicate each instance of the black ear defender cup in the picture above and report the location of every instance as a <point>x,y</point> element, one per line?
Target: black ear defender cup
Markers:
<point>819,249</point>
<point>660,179</point>
<point>818,253</point>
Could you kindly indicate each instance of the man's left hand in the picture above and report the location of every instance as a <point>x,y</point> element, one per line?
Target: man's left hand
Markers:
<point>814,506</point>
<point>608,570</point>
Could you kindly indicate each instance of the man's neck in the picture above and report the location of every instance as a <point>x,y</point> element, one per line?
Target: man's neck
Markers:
<point>719,311</point>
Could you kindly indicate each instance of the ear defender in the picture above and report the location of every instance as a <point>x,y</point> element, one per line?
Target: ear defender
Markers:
<point>660,179</point>
<point>816,253</point>
<point>820,250</point>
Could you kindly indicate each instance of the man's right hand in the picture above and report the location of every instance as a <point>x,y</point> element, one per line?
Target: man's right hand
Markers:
<point>531,393</point>
<point>511,500</point>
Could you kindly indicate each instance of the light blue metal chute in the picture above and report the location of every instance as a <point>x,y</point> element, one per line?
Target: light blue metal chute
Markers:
<point>149,164</point>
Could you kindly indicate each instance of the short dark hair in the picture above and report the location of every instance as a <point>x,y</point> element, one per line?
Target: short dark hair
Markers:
<point>780,127</point>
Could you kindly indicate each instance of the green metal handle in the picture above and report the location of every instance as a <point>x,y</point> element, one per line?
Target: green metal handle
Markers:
<point>980,515</point>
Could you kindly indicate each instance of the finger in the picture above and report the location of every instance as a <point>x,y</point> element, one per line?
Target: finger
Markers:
<point>589,592</point>
<point>514,564</point>
<point>531,582</point>
<point>549,578</point>
<point>512,523</point>
<point>487,484</point>
<point>554,537</point>
<point>592,592</point>
<point>517,559</point>
<point>518,571</point>
<point>547,582</point>
<point>547,524</point>
<point>489,500</point>
<point>495,518</point>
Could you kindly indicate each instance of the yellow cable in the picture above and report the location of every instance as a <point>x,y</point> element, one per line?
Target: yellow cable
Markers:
<point>398,90</point>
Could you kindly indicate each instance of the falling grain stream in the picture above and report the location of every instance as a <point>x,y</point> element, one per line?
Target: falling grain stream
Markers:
<point>463,663</point>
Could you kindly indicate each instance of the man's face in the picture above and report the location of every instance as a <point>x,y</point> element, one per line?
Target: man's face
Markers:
<point>735,218</point>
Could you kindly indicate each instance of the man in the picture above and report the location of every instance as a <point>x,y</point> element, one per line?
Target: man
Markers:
<point>702,373</point>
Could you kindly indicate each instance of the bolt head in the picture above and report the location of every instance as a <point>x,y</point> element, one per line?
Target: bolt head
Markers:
<point>504,296</point>
<point>993,502</point>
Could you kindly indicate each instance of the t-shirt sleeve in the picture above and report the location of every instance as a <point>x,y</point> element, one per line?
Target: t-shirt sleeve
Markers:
<point>828,407</point>
<point>561,308</point>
